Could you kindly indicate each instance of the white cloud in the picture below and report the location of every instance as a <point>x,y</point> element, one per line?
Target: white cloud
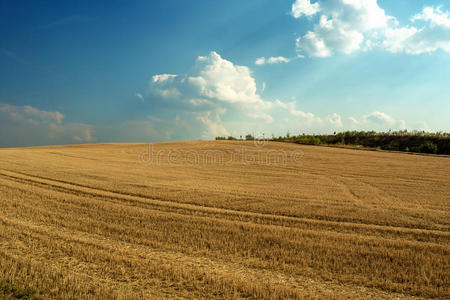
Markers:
<point>434,15</point>
<point>382,120</point>
<point>397,39</point>
<point>260,61</point>
<point>169,93</point>
<point>276,60</point>
<point>271,60</point>
<point>219,97</point>
<point>19,113</point>
<point>291,108</point>
<point>214,80</point>
<point>313,45</point>
<point>32,126</point>
<point>335,120</point>
<point>140,96</point>
<point>342,26</point>
<point>221,80</point>
<point>346,26</point>
<point>304,7</point>
<point>214,85</point>
<point>434,35</point>
<point>163,77</point>
<point>379,117</point>
<point>217,88</point>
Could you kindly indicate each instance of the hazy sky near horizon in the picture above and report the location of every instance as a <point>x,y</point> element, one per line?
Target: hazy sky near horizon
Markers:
<point>147,71</point>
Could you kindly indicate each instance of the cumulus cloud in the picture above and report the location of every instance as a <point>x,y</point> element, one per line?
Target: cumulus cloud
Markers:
<point>217,88</point>
<point>345,26</point>
<point>383,120</point>
<point>434,15</point>
<point>163,77</point>
<point>379,117</point>
<point>432,35</point>
<point>304,7</point>
<point>341,27</point>
<point>219,98</point>
<point>214,86</point>
<point>219,79</point>
<point>28,125</point>
<point>271,60</point>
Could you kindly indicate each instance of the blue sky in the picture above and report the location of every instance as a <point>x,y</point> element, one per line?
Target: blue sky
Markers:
<point>147,71</point>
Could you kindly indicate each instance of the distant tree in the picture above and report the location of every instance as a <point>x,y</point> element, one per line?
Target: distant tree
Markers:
<point>402,140</point>
<point>428,147</point>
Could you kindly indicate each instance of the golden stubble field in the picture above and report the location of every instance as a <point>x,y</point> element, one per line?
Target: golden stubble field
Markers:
<point>104,222</point>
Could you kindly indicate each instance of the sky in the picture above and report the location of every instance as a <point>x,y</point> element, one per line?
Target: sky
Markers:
<point>151,71</point>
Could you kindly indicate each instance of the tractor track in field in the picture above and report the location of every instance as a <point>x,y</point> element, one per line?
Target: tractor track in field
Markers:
<point>226,214</point>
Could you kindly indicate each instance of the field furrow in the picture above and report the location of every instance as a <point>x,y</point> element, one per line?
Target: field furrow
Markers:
<point>95,222</point>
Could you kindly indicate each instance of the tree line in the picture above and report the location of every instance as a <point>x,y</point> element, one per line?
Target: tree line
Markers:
<point>415,141</point>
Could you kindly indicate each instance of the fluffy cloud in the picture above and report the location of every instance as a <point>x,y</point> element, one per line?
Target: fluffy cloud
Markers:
<point>214,87</point>
<point>346,26</point>
<point>163,77</point>
<point>271,60</point>
<point>219,98</point>
<point>32,126</point>
<point>381,120</point>
<point>434,15</point>
<point>217,89</point>
<point>341,27</point>
<point>163,85</point>
<point>304,7</point>
<point>433,35</point>
<point>220,80</point>
<point>379,117</point>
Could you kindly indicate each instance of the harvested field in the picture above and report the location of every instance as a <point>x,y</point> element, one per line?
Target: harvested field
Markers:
<point>223,219</point>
